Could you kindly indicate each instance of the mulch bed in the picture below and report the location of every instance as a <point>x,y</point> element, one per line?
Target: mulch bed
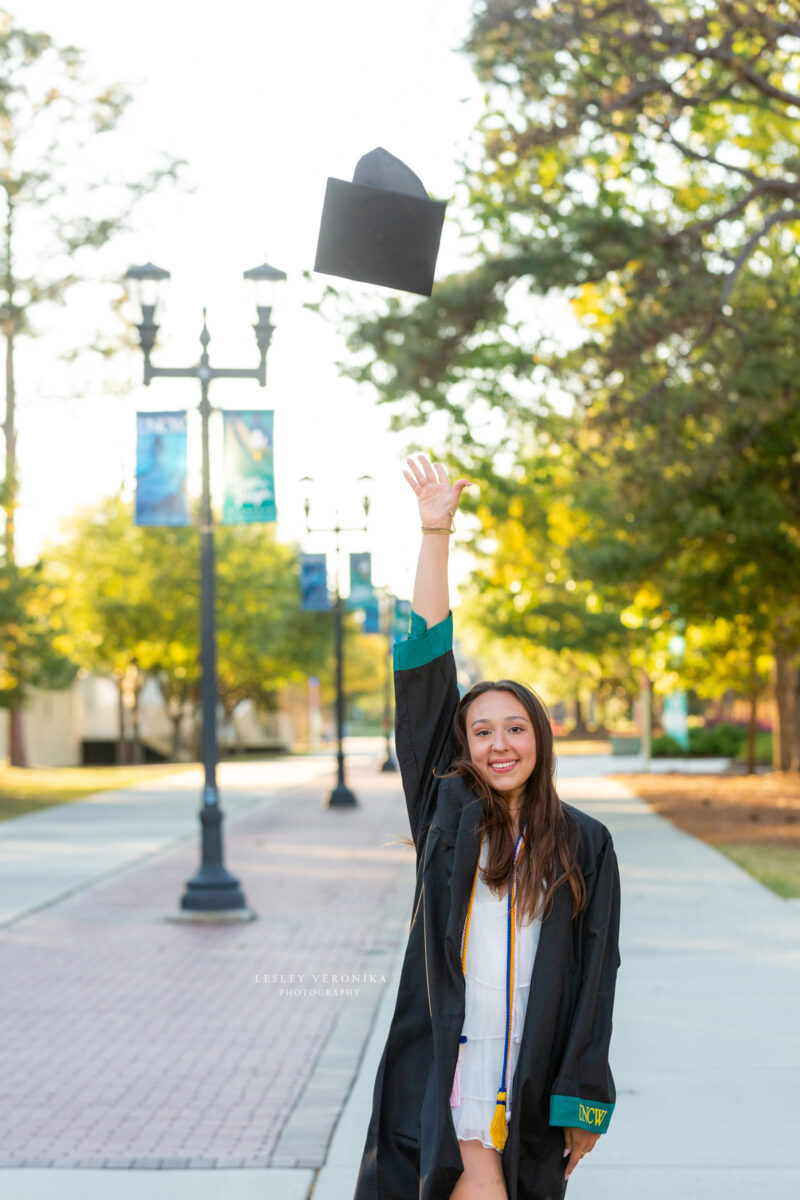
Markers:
<point>756,810</point>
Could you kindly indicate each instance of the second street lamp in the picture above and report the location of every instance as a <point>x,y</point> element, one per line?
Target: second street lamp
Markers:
<point>212,889</point>
<point>341,796</point>
<point>388,614</point>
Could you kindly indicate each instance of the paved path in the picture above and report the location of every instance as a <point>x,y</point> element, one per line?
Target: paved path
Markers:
<point>47,855</point>
<point>147,1044</point>
<point>706,1046</point>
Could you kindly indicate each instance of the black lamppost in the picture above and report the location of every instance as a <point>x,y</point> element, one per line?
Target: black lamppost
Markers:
<point>341,796</point>
<point>212,889</point>
<point>389,763</point>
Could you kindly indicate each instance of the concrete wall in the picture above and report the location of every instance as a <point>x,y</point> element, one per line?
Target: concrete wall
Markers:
<point>55,723</point>
<point>51,726</point>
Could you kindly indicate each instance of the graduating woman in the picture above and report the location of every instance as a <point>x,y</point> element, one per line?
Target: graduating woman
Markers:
<point>494,1081</point>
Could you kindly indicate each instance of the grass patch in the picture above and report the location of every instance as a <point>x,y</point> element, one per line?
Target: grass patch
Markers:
<point>25,790</point>
<point>776,866</point>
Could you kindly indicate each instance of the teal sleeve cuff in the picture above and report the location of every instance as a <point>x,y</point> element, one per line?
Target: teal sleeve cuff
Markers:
<point>573,1113</point>
<point>417,625</point>
<point>423,645</point>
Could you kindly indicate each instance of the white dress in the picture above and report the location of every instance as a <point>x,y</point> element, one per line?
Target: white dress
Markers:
<point>481,1056</point>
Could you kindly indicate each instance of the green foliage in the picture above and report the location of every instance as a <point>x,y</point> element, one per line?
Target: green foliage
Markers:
<point>666,746</point>
<point>61,205</point>
<point>640,463</point>
<point>133,597</point>
<point>61,199</point>
<point>724,740</point>
<point>763,749</point>
<point>713,741</point>
<point>29,604</point>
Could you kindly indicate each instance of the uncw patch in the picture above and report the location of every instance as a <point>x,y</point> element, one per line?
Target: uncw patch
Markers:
<point>592,1116</point>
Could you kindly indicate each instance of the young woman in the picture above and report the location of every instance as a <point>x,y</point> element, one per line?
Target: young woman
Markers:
<point>494,1081</point>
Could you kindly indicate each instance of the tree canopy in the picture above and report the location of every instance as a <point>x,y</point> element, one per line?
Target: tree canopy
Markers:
<point>638,164</point>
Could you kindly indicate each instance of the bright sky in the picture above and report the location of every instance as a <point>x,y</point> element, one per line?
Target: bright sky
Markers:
<point>265,101</point>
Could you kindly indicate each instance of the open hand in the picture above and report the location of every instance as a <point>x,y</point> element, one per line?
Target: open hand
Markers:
<point>437,498</point>
<point>579,1142</point>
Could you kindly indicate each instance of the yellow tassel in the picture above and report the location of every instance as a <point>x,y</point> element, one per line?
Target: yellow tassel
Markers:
<point>498,1128</point>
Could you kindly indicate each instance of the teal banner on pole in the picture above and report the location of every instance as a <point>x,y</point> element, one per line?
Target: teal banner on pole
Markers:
<point>161,469</point>
<point>314,583</point>
<point>360,580</point>
<point>675,717</point>
<point>402,616</point>
<point>372,616</point>
<point>249,467</point>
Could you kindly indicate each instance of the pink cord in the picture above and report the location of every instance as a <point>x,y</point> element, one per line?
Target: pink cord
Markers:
<point>455,1095</point>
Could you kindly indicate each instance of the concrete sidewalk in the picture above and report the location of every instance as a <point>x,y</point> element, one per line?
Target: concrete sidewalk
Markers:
<point>47,855</point>
<point>140,1052</point>
<point>706,1045</point>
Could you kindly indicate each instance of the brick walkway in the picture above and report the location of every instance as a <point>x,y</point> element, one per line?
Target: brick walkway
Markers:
<point>136,1041</point>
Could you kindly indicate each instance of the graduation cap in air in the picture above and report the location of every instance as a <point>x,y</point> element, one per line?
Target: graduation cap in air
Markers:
<point>382,228</point>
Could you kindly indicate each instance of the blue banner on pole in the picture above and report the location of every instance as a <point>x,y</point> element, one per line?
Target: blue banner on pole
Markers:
<point>249,467</point>
<point>314,583</point>
<point>161,469</point>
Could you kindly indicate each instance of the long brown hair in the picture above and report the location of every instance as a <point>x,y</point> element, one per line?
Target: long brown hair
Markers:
<point>550,834</point>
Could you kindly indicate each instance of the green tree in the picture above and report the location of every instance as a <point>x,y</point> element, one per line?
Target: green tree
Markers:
<point>640,161</point>
<point>29,604</point>
<point>61,205</point>
<point>133,608</point>
<point>128,608</point>
<point>265,640</point>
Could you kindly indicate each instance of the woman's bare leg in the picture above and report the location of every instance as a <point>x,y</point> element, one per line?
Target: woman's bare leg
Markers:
<point>483,1175</point>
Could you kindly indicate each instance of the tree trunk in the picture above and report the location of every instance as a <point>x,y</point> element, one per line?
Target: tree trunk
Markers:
<point>176,734</point>
<point>751,725</point>
<point>121,755</point>
<point>10,432</point>
<point>786,737</point>
<point>138,748</point>
<point>751,733</point>
<point>580,725</point>
<point>646,721</point>
<point>16,736</point>
<point>16,739</point>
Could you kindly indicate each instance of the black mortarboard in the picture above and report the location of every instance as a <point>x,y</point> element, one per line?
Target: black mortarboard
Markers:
<point>382,228</point>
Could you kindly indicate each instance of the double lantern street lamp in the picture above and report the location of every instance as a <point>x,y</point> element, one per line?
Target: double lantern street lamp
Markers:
<point>212,889</point>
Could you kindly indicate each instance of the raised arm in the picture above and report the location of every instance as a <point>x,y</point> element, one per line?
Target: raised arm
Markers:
<point>425,674</point>
<point>437,501</point>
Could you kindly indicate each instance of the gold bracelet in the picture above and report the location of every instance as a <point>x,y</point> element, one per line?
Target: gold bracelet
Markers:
<point>440,528</point>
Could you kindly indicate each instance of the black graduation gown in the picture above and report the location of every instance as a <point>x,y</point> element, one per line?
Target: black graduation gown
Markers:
<point>562,1074</point>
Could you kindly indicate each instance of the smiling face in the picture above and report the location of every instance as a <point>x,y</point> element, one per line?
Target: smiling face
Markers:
<point>502,742</point>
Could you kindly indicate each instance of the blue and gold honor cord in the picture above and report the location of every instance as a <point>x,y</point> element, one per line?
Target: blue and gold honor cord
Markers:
<point>499,1126</point>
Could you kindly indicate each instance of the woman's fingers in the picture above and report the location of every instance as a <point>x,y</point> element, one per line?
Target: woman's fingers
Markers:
<point>415,471</point>
<point>428,471</point>
<point>422,473</point>
<point>578,1142</point>
<point>572,1164</point>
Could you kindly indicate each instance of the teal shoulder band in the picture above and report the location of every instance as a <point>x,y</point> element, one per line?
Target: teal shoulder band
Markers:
<point>423,645</point>
<point>573,1113</point>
